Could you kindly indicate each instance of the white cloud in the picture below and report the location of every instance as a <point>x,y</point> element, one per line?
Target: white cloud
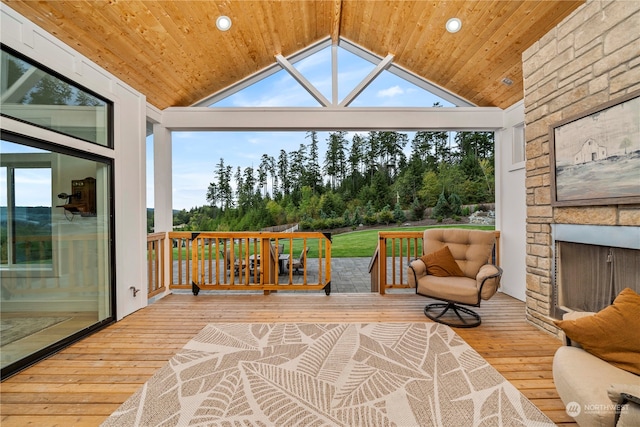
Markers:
<point>390,92</point>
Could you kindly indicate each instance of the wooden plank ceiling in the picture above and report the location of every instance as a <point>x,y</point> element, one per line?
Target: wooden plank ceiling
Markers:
<point>172,52</point>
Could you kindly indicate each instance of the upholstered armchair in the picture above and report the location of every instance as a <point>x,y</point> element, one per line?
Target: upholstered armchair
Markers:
<point>456,268</point>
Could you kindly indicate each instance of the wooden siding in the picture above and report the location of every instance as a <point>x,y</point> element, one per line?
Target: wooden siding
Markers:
<point>84,383</point>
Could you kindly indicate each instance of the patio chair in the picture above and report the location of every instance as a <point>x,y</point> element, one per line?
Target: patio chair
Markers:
<point>297,264</point>
<point>227,261</point>
<point>457,269</point>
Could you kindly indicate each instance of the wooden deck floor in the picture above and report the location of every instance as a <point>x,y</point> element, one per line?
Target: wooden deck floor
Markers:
<point>83,384</point>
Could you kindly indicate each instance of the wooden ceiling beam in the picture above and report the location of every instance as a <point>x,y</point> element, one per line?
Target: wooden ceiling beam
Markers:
<point>336,20</point>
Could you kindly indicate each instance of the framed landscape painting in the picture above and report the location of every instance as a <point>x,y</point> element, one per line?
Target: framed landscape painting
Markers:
<point>595,156</point>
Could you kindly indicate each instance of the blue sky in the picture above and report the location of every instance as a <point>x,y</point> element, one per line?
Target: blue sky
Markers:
<point>195,154</point>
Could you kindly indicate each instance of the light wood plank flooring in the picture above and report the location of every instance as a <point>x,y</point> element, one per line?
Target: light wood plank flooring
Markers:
<point>84,383</point>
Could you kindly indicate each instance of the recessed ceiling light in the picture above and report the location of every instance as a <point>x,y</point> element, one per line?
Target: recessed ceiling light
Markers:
<point>507,81</point>
<point>223,23</point>
<point>453,25</point>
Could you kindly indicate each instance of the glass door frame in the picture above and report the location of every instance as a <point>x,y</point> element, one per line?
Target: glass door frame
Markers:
<point>49,350</point>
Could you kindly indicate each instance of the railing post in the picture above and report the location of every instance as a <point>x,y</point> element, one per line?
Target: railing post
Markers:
<point>382,257</point>
<point>166,261</point>
<point>194,263</point>
<point>374,270</point>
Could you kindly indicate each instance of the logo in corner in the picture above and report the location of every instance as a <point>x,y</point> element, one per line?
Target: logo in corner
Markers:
<point>573,409</point>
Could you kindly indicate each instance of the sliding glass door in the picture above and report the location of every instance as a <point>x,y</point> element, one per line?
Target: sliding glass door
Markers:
<point>55,248</point>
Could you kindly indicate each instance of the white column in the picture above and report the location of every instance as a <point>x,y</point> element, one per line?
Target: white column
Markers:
<point>511,206</point>
<point>162,179</point>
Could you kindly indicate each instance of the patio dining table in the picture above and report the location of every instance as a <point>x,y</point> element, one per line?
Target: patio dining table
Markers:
<point>283,261</point>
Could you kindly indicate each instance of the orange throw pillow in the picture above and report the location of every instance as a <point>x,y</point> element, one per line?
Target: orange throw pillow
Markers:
<point>612,333</point>
<point>441,263</point>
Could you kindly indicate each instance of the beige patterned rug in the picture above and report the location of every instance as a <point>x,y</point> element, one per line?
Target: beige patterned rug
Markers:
<point>341,374</point>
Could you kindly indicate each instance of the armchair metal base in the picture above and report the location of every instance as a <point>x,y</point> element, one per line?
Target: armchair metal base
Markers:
<point>471,320</point>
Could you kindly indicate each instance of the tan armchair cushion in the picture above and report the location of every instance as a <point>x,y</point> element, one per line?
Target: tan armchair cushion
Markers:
<point>441,263</point>
<point>459,289</point>
<point>470,248</point>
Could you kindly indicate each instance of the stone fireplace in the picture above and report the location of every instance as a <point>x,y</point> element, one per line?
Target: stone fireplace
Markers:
<point>588,59</point>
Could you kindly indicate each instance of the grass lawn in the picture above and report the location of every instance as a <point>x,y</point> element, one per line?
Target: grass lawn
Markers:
<point>363,243</point>
<point>355,243</point>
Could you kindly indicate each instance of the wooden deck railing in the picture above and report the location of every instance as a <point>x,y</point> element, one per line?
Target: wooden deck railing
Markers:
<point>395,250</point>
<point>156,261</point>
<point>264,261</point>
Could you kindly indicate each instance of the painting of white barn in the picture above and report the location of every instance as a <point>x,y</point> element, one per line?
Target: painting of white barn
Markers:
<point>590,152</point>
<point>595,155</point>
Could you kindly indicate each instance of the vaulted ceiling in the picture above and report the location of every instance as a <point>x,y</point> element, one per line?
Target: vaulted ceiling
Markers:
<point>172,52</point>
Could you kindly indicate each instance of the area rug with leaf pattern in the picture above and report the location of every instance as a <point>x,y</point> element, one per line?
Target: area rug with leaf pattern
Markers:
<point>339,374</point>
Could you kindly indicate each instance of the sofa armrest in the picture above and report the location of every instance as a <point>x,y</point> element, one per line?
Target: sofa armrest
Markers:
<point>627,400</point>
<point>417,269</point>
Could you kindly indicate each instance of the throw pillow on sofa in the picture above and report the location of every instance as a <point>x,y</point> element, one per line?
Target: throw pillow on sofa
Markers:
<point>612,333</point>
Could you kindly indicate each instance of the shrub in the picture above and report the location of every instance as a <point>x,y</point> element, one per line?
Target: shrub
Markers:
<point>320,224</point>
<point>305,225</point>
<point>335,222</point>
<point>398,214</point>
<point>385,216</point>
<point>371,219</point>
<point>447,207</point>
<point>357,217</point>
<point>417,210</point>
<point>441,209</point>
<point>455,204</point>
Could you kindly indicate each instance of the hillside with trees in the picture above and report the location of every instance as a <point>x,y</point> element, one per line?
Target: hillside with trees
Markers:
<point>367,180</point>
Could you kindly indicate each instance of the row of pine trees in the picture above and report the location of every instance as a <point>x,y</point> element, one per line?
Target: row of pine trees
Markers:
<point>368,180</point>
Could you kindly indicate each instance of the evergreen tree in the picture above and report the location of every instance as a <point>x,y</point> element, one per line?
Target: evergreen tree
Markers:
<point>380,187</point>
<point>212,194</point>
<point>239,186</point>
<point>391,154</point>
<point>313,177</point>
<point>283,172</point>
<point>297,160</point>
<point>398,214</point>
<point>220,191</point>
<point>335,163</point>
<point>417,210</point>
<point>371,149</point>
<point>263,172</point>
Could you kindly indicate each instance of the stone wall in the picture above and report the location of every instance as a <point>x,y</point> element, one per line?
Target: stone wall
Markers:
<point>592,57</point>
